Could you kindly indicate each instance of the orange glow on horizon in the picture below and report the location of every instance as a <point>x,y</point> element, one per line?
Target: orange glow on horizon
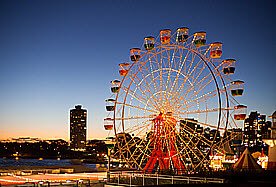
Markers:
<point>46,135</point>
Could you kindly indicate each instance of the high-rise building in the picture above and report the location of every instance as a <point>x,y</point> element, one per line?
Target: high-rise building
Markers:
<point>273,126</point>
<point>266,130</point>
<point>78,118</point>
<point>251,135</point>
<point>256,128</point>
<point>271,165</point>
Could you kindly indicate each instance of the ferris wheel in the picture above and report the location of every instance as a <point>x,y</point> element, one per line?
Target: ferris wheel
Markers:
<point>174,103</point>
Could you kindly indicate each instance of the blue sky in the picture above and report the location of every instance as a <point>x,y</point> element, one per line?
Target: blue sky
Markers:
<point>56,54</point>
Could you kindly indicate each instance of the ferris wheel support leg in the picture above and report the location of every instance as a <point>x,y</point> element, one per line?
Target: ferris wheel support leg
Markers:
<point>150,164</point>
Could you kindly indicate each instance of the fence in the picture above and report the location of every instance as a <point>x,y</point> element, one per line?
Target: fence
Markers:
<point>141,179</point>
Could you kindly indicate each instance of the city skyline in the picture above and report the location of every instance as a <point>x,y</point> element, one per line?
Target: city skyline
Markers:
<point>55,55</point>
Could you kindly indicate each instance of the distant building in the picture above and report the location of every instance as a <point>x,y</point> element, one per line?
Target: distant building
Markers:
<point>273,126</point>
<point>250,135</point>
<point>236,140</point>
<point>189,124</point>
<point>256,128</point>
<point>271,165</point>
<point>187,128</point>
<point>266,130</point>
<point>78,120</point>
<point>25,140</point>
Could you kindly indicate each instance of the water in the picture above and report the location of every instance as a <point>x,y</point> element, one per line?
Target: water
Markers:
<point>6,162</point>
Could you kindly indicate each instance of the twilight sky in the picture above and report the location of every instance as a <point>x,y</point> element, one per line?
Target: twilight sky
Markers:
<point>55,54</point>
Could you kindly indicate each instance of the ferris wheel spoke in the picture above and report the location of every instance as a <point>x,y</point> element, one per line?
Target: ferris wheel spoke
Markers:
<point>218,66</point>
<point>230,122</point>
<point>133,156</point>
<point>140,151</point>
<point>192,138</point>
<point>152,74</point>
<point>143,91</point>
<point>155,59</point>
<point>203,111</point>
<point>193,150</point>
<point>139,146</point>
<point>180,69</point>
<point>137,107</point>
<point>204,97</point>
<point>179,90</point>
<point>189,130</point>
<point>156,100</point>
<point>171,61</point>
<point>167,81</point>
<point>144,153</point>
<point>206,50</point>
<point>198,74</point>
<point>192,67</point>
<point>136,117</point>
<point>123,150</point>
<point>193,71</point>
<point>172,139</point>
<point>204,124</point>
<point>187,153</point>
<point>160,67</point>
<point>171,84</point>
<point>191,83</point>
<point>194,145</point>
<point>140,99</point>
<point>194,102</point>
<point>138,128</point>
<point>148,87</point>
<point>137,97</point>
<point>183,151</point>
<point>201,84</point>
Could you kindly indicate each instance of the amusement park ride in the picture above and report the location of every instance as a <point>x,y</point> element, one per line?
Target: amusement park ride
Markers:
<point>173,86</point>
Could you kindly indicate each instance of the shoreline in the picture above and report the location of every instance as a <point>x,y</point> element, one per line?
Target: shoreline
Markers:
<point>25,170</point>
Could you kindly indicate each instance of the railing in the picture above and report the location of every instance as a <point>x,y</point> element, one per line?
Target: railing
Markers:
<point>141,179</point>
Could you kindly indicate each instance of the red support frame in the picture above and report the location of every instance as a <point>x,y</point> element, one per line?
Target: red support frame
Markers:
<point>164,152</point>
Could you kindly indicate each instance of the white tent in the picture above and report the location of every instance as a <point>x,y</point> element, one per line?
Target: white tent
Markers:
<point>246,162</point>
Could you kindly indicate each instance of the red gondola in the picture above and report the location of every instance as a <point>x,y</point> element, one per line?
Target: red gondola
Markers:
<point>108,123</point>
<point>123,69</point>
<point>165,36</point>
<point>240,112</point>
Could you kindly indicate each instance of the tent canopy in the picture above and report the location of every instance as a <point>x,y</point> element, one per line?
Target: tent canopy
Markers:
<point>246,162</point>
